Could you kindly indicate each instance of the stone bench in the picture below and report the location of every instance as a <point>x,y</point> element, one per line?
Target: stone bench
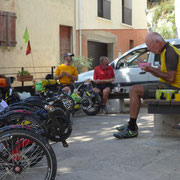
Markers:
<point>166,116</point>
<point>115,103</point>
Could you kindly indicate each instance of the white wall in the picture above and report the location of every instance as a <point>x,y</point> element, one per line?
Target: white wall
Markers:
<point>139,19</point>
<point>42,18</point>
<point>91,21</point>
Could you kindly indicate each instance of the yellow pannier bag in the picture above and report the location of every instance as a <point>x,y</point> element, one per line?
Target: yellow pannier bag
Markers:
<point>48,82</point>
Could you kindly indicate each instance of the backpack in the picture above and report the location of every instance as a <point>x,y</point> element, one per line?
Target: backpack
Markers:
<point>3,82</point>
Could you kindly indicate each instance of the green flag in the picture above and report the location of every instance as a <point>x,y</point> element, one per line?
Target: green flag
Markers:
<point>26,36</point>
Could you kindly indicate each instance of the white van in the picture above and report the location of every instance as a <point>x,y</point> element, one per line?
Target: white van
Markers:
<point>127,72</point>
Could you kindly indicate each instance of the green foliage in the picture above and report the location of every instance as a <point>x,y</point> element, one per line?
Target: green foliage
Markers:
<point>23,73</point>
<point>165,32</point>
<point>81,63</point>
<point>163,18</point>
<point>171,19</point>
<point>164,8</point>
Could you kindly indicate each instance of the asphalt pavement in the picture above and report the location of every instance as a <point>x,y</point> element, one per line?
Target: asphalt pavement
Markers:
<point>95,154</point>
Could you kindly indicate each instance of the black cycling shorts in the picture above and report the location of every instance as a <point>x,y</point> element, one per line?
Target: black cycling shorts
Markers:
<point>103,86</point>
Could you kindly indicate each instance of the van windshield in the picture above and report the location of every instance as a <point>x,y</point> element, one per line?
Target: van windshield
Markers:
<point>132,58</point>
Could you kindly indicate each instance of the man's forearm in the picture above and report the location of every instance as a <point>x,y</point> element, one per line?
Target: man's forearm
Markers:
<point>104,81</point>
<point>74,78</point>
<point>58,76</point>
<point>160,74</point>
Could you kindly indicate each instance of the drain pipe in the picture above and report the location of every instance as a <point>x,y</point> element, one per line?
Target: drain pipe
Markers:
<point>80,38</point>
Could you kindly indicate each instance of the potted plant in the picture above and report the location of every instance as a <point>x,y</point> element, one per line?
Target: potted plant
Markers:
<point>24,76</point>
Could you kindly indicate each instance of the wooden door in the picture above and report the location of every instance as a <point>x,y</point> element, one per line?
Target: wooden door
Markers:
<point>65,39</point>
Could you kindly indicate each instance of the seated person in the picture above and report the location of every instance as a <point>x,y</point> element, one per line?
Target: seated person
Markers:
<point>66,73</point>
<point>168,72</point>
<point>103,78</point>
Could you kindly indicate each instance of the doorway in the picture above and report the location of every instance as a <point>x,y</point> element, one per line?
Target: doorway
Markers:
<point>96,50</point>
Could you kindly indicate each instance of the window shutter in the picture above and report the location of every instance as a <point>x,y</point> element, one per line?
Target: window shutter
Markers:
<point>12,29</point>
<point>3,28</point>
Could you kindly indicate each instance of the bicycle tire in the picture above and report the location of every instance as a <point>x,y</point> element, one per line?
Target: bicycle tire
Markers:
<point>96,106</point>
<point>18,165</point>
<point>21,119</point>
<point>58,128</point>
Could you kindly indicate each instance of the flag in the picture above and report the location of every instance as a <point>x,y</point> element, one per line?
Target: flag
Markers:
<point>28,50</point>
<point>26,36</point>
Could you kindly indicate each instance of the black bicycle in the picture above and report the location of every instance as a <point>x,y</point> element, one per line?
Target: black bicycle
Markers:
<point>25,155</point>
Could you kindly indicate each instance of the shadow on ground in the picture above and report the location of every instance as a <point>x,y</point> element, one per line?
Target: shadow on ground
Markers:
<point>93,152</point>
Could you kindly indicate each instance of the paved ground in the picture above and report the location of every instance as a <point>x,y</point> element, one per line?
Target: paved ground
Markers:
<point>94,154</point>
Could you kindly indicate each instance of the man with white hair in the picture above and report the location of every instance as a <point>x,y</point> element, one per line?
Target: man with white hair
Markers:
<point>103,78</point>
<point>168,72</point>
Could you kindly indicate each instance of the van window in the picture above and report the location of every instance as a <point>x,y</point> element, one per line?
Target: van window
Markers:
<point>141,58</point>
<point>131,59</point>
<point>157,60</point>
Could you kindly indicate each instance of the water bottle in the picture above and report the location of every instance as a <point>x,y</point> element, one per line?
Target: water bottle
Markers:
<point>119,87</point>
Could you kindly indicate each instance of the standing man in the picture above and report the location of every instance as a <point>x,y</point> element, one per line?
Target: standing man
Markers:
<point>103,77</point>
<point>168,72</point>
<point>67,73</point>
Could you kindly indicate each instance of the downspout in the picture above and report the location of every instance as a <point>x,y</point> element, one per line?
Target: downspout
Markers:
<point>80,33</point>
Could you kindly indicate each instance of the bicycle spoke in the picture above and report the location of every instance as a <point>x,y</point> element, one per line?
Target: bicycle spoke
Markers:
<point>25,157</point>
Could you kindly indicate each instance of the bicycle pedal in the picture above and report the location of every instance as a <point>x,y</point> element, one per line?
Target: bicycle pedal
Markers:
<point>65,144</point>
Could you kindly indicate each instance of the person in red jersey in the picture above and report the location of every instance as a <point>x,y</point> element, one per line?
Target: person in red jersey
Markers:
<point>103,78</point>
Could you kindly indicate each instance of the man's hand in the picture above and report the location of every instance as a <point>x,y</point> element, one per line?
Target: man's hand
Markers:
<point>169,76</point>
<point>97,81</point>
<point>63,73</point>
<point>74,78</point>
<point>66,74</point>
<point>111,80</point>
<point>148,68</point>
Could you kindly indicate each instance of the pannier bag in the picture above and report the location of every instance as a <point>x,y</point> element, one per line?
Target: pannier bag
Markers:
<point>3,82</point>
<point>167,94</point>
<point>39,86</point>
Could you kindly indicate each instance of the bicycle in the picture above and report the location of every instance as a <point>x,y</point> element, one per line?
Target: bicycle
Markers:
<point>25,155</point>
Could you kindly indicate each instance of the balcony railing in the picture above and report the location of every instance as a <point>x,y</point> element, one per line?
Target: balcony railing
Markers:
<point>126,16</point>
<point>37,72</point>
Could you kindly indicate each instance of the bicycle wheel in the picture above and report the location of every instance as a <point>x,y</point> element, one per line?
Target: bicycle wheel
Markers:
<point>25,155</point>
<point>22,119</point>
<point>67,101</point>
<point>58,127</point>
<point>94,107</point>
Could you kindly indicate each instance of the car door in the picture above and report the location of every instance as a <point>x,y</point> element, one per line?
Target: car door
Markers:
<point>127,70</point>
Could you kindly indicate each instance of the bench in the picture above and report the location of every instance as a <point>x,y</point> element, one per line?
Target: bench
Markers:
<point>115,102</point>
<point>166,116</point>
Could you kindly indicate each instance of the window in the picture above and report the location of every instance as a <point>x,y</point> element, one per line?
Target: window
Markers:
<point>104,9</point>
<point>131,44</point>
<point>132,59</point>
<point>127,12</point>
<point>141,58</point>
<point>7,28</point>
